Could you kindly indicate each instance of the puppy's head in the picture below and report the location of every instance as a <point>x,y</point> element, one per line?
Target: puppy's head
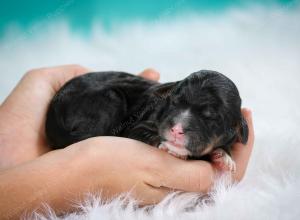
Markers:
<point>202,112</point>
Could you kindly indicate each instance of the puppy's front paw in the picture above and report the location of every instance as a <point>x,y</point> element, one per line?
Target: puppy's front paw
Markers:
<point>222,161</point>
<point>166,149</point>
<point>163,147</point>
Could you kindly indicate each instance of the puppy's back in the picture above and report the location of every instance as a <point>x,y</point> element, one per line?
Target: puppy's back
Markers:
<point>91,105</point>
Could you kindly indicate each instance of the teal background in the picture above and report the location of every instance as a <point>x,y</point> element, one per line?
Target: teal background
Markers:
<point>81,14</point>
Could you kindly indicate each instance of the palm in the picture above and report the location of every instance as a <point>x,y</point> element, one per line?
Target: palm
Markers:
<point>25,109</point>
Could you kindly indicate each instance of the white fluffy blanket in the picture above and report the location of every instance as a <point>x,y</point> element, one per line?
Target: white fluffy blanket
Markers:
<point>258,48</point>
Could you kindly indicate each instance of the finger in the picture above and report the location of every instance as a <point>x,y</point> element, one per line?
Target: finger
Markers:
<point>59,75</point>
<point>240,152</point>
<point>150,74</point>
<point>148,195</point>
<point>190,176</point>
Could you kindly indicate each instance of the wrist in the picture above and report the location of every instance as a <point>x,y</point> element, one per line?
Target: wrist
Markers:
<point>66,179</point>
<point>52,179</point>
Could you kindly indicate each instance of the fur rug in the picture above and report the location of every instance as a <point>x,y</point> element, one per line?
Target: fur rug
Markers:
<point>257,47</point>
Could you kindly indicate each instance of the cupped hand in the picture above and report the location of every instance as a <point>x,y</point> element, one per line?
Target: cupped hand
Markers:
<point>109,164</point>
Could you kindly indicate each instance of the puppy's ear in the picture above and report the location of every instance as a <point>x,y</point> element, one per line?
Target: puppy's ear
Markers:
<point>164,90</point>
<point>243,131</point>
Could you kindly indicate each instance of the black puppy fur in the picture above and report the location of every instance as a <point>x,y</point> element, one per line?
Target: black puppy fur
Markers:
<point>125,105</point>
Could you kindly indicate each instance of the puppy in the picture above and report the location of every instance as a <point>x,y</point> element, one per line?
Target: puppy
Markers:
<point>196,117</point>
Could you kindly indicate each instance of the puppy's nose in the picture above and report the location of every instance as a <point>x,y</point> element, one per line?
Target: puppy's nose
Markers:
<point>177,131</point>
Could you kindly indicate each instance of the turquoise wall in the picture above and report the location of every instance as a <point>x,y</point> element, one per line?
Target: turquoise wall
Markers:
<point>81,14</point>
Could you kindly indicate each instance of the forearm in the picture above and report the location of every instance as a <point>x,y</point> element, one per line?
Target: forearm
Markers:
<point>55,179</point>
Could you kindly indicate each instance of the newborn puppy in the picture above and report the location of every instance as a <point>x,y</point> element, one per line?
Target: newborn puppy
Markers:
<point>195,117</point>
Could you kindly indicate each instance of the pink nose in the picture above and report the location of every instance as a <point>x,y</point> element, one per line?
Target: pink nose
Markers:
<point>177,130</point>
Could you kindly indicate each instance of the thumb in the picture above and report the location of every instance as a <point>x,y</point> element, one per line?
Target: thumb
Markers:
<point>58,76</point>
<point>178,174</point>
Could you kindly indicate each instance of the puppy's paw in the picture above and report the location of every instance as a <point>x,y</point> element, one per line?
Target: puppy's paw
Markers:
<point>166,149</point>
<point>163,147</point>
<point>222,161</point>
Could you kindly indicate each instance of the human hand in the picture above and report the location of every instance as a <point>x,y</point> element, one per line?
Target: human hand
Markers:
<point>111,164</point>
<point>22,114</point>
